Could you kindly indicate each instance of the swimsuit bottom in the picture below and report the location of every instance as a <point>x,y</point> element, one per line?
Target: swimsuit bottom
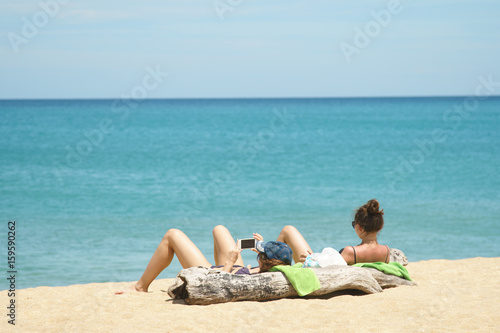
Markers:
<point>241,271</point>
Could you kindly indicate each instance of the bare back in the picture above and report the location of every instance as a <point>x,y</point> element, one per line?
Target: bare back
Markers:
<point>366,253</point>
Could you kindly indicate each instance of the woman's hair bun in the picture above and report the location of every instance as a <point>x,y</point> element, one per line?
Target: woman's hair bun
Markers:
<point>373,207</point>
<point>369,217</point>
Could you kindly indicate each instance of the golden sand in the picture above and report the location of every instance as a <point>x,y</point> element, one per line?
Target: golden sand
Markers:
<point>452,296</point>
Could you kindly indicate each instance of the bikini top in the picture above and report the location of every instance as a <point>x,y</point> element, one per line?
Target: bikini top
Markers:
<point>386,258</point>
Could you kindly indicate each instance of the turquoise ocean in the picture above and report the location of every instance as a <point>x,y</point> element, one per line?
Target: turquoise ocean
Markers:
<point>93,185</point>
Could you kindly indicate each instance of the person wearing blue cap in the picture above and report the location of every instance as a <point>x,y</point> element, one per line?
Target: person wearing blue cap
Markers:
<point>226,254</point>
<point>273,253</point>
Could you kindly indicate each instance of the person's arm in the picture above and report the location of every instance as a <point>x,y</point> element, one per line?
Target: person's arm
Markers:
<point>232,256</point>
<point>304,255</point>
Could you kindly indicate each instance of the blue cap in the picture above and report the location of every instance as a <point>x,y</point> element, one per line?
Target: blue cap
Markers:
<point>275,250</point>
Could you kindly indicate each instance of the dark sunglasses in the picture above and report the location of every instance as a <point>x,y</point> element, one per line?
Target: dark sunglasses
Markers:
<point>353,224</point>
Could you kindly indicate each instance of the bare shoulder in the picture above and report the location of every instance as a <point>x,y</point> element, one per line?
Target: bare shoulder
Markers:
<point>348,255</point>
<point>372,253</point>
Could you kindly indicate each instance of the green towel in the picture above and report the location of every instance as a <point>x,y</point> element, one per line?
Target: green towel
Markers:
<point>394,268</point>
<point>304,280</point>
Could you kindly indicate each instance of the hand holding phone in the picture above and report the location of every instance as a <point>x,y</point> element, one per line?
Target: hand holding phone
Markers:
<point>247,243</point>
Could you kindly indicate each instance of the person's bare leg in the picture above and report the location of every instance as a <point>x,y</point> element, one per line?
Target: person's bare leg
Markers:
<point>223,243</point>
<point>174,242</point>
<point>291,236</point>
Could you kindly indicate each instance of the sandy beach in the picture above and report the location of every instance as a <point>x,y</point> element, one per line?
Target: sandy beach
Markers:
<point>452,296</point>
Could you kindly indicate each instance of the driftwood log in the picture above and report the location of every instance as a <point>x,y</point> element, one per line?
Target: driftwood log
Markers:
<point>386,281</point>
<point>398,256</point>
<point>201,285</point>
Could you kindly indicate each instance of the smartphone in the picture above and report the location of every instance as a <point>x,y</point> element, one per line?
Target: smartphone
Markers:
<point>247,243</point>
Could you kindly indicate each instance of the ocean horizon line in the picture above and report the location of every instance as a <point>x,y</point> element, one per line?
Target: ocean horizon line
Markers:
<point>241,98</point>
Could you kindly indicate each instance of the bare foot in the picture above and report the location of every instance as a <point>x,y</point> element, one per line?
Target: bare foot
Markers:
<point>134,288</point>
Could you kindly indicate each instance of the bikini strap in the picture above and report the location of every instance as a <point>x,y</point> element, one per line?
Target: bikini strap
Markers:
<point>354,253</point>
<point>387,257</point>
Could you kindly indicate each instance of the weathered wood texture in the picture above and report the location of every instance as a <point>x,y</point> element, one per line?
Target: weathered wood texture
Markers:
<point>398,256</point>
<point>387,280</point>
<point>201,285</point>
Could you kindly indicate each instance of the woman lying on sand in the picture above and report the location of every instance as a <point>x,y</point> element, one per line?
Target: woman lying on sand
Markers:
<point>368,221</point>
<point>226,254</point>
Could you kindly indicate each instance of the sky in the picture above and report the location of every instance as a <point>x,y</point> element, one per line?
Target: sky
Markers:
<point>65,49</point>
